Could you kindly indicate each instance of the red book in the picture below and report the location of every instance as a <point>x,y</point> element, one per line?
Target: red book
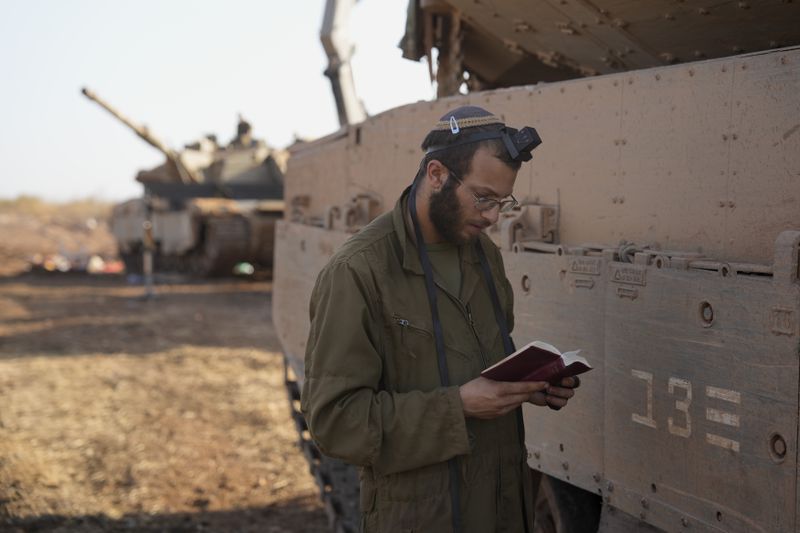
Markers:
<point>538,361</point>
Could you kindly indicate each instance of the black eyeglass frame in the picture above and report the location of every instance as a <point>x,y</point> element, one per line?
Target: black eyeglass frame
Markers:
<point>484,203</point>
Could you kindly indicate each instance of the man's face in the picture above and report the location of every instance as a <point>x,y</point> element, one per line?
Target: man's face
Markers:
<point>452,208</point>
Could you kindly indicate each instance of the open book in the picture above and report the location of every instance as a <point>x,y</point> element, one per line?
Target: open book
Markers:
<point>538,361</point>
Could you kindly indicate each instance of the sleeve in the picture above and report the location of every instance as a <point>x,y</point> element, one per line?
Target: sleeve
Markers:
<point>348,414</point>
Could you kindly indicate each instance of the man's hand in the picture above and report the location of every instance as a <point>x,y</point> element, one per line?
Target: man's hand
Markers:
<point>486,398</point>
<point>554,396</point>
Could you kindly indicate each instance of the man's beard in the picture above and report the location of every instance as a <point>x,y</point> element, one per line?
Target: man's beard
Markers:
<point>445,213</point>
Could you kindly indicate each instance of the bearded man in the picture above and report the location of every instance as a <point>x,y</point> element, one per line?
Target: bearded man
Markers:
<point>404,318</point>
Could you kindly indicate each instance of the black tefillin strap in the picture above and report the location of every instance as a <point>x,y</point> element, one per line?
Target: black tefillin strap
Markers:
<point>444,375</point>
<point>508,345</point>
<point>438,334</point>
<point>518,143</point>
<point>499,315</point>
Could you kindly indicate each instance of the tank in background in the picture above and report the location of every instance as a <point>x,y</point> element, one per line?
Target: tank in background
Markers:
<point>209,206</point>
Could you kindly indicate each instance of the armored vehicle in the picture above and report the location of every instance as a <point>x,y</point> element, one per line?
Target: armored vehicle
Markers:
<point>658,232</point>
<point>208,206</point>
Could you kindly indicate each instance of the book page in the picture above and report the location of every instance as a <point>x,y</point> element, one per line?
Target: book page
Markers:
<point>573,357</point>
<point>511,356</point>
<point>547,347</point>
<point>538,344</point>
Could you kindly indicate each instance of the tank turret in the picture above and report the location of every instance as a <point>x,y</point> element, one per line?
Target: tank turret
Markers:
<point>209,207</point>
<point>185,173</point>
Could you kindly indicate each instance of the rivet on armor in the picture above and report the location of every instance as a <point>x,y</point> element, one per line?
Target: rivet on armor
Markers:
<point>777,447</point>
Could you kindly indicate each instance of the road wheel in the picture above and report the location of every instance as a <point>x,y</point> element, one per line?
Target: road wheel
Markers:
<point>564,508</point>
<point>338,481</point>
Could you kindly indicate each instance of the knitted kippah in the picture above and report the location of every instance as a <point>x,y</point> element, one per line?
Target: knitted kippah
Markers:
<point>466,117</point>
<point>518,143</point>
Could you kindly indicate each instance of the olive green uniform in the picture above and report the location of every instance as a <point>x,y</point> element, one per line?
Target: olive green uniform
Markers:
<point>372,394</point>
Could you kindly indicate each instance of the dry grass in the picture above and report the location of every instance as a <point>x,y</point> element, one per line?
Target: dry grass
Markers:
<point>76,210</point>
<point>30,226</point>
<point>118,414</point>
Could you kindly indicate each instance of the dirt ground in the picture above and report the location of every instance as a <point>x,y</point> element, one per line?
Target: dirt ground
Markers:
<point>119,414</point>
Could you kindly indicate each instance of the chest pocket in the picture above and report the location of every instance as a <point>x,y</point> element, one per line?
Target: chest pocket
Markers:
<point>415,363</point>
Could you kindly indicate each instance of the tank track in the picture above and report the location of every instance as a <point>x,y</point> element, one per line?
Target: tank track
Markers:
<point>132,261</point>
<point>337,481</point>
<point>227,240</point>
<point>224,242</point>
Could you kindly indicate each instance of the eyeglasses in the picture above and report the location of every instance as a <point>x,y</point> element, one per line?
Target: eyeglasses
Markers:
<point>485,203</point>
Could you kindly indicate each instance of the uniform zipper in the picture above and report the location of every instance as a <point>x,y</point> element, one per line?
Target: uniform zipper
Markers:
<point>405,324</point>
<point>467,312</point>
<point>475,333</point>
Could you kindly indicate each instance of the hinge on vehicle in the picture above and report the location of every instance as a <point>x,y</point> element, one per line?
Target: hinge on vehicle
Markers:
<point>298,207</point>
<point>354,215</point>
<point>528,223</point>
<point>786,264</point>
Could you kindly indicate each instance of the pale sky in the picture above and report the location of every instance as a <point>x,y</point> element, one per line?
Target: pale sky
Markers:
<point>184,68</point>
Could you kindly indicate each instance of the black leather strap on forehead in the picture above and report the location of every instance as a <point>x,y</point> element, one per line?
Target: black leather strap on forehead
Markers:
<point>519,144</point>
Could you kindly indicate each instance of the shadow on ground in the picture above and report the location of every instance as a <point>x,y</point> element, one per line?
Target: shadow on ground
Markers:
<point>295,515</point>
<point>73,314</point>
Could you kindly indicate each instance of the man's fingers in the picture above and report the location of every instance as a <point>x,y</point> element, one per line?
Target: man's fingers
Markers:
<point>572,382</point>
<point>561,392</point>
<point>521,387</point>
<point>555,402</point>
<point>513,400</point>
<point>538,398</point>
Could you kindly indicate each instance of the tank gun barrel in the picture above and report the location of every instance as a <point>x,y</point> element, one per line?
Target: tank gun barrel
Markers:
<point>187,175</point>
